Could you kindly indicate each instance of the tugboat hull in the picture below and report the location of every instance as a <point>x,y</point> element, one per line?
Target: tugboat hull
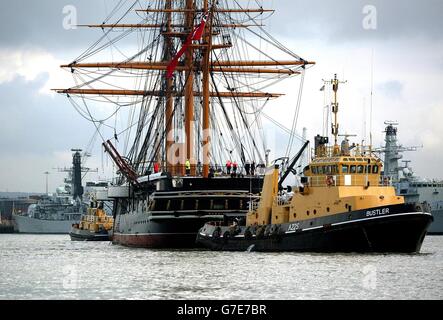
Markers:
<point>401,232</point>
<point>86,235</point>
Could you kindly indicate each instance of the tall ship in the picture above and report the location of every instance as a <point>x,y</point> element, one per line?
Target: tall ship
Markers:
<point>196,85</point>
<point>342,204</point>
<point>429,192</point>
<point>56,213</point>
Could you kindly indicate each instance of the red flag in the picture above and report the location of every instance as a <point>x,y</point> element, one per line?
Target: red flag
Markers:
<point>174,62</point>
<point>198,32</point>
<point>196,35</point>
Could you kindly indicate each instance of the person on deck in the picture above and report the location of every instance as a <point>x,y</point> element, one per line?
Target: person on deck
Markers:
<point>156,167</point>
<point>228,167</point>
<point>211,172</point>
<point>253,168</point>
<point>234,169</point>
<point>247,167</point>
<point>188,167</point>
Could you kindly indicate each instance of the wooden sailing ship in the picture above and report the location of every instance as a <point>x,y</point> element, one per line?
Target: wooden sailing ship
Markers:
<point>202,81</point>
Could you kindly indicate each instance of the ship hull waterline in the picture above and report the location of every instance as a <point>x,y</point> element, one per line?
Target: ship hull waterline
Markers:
<point>39,226</point>
<point>86,235</point>
<point>162,233</point>
<point>399,233</point>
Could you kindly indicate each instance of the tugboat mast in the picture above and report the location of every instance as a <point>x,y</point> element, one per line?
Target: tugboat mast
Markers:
<point>335,82</point>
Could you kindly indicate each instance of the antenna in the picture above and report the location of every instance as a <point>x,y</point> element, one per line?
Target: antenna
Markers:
<point>47,173</point>
<point>372,94</point>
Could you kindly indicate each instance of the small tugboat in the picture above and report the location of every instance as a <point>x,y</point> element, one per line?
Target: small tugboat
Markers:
<point>95,225</point>
<point>342,205</point>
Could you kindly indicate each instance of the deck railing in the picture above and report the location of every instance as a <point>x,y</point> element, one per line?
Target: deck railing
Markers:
<point>348,180</point>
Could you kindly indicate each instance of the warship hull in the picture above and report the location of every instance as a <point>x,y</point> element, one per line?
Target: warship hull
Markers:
<point>394,229</point>
<point>436,227</point>
<point>26,224</point>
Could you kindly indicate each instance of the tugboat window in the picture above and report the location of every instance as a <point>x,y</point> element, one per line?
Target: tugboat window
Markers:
<point>353,169</point>
<point>375,169</point>
<point>344,169</point>
<point>314,170</point>
<point>360,169</point>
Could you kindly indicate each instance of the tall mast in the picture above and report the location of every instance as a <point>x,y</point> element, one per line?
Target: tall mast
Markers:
<point>176,19</point>
<point>189,89</point>
<point>169,99</point>
<point>335,82</point>
<point>206,92</point>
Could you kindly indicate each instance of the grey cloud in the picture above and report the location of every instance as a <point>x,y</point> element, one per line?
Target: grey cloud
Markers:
<point>31,122</point>
<point>40,23</point>
<point>342,20</point>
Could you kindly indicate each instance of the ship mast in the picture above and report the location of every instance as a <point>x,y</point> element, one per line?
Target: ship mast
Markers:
<point>169,83</point>
<point>199,74</point>
<point>206,94</point>
<point>335,82</point>
<point>189,90</point>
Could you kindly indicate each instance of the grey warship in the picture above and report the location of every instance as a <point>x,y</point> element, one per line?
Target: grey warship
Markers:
<point>56,213</point>
<point>429,192</point>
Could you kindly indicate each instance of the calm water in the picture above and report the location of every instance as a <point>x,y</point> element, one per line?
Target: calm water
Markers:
<point>53,267</point>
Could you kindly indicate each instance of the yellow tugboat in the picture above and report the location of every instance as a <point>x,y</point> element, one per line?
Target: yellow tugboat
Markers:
<point>342,205</point>
<point>95,225</point>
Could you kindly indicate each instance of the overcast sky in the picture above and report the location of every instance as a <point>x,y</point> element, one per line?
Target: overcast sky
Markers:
<point>39,128</point>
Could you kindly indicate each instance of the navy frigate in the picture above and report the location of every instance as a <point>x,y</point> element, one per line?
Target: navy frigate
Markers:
<point>414,189</point>
<point>56,213</point>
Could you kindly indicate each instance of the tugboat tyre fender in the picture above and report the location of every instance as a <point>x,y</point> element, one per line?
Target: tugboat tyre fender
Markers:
<point>248,233</point>
<point>268,230</point>
<point>216,233</point>
<point>259,232</point>
<point>274,230</point>
<point>226,236</point>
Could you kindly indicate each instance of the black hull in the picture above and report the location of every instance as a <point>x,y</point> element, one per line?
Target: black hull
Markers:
<point>180,211</point>
<point>6,229</point>
<point>84,235</point>
<point>168,233</point>
<point>399,233</point>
